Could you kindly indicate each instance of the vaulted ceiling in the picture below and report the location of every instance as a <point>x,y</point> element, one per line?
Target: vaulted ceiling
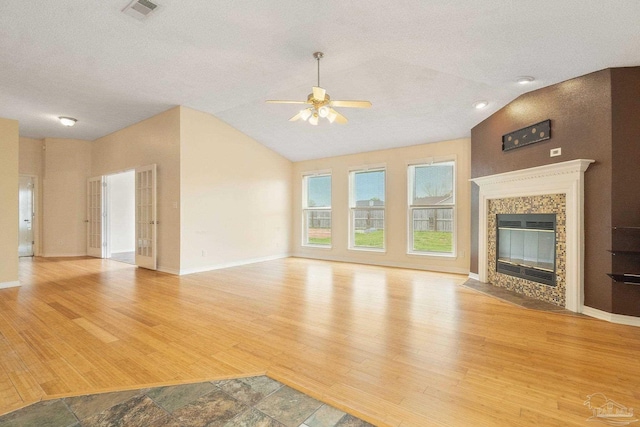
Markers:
<point>422,63</point>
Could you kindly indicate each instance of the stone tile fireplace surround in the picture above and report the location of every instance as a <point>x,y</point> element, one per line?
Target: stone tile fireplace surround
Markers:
<point>548,203</point>
<point>556,188</point>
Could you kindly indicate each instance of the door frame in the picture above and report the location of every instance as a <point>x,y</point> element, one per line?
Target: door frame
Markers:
<point>36,211</point>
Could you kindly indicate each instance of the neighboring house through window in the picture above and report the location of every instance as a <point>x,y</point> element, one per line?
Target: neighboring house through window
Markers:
<point>316,209</point>
<point>432,208</point>
<point>367,209</point>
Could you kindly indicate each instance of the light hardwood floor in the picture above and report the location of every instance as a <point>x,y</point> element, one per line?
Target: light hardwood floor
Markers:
<point>395,347</point>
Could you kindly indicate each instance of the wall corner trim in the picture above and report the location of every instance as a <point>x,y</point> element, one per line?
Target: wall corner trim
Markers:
<point>474,276</point>
<point>13,284</point>
<point>611,317</point>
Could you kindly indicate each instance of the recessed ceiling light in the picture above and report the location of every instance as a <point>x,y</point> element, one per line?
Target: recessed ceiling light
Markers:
<point>480,105</point>
<point>67,121</point>
<point>525,80</point>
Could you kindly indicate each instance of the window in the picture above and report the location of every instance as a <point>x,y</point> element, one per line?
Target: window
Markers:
<point>432,208</point>
<point>367,195</point>
<point>316,210</point>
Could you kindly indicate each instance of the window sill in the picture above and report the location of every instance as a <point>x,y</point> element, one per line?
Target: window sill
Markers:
<point>374,250</point>
<point>432,254</point>
<point>317,246</point>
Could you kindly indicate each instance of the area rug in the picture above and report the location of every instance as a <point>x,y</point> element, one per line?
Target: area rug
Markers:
<point>254,401</point>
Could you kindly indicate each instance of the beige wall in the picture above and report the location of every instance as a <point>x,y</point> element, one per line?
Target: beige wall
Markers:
<point>235,196</point>
<point>396,217</point>
<point>154,140</point>
<point>8,203</point>
<point>31,162</point>
<point>31,156</point>
<point>66,169</point>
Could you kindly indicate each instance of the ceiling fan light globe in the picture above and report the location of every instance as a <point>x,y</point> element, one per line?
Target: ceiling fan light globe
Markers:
<point>305,114</point>
<point>314,119</point>
<point>323,111</point>
<point>331,116</point>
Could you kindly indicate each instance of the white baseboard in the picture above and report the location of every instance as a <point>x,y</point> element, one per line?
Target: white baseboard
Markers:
<point>611,317</point>
<point>412,266</point>
<point>474,276</point>
<point>14,284</point>
<point>63,255</point>
<point>169,270</point>
<point>231,264</point>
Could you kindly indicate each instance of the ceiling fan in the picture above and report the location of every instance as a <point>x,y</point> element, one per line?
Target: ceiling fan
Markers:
<point>321,104</point>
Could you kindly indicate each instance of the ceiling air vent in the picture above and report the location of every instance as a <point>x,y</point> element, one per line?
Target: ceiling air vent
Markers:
<point>140,9</point>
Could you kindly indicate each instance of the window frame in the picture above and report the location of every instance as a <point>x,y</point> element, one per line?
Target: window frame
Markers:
<point>411,207</point>
<point>352,208</point>
<point>306,209</point>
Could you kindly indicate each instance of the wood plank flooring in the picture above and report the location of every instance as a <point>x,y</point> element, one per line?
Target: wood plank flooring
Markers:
<point>394,347</point>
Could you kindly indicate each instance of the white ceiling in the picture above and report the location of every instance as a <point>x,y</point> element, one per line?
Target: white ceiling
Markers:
<point>422,63</point>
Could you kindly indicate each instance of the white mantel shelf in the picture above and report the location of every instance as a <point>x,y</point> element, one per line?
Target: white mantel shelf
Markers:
<point>557,178</point>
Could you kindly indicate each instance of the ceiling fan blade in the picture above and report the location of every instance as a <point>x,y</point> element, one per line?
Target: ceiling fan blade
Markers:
<point>272,101</point>
<point>351,104</point>
<point>319,93</point>
<point>339,118</point>
<point>296,117</point>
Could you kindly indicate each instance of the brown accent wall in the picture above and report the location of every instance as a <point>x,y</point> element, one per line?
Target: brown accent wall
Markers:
<point>581,125</point>
<point>625,188</point>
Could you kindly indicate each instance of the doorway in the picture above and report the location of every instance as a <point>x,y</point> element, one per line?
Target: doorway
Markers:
<point>121,216</point>
<point>26,203</point>
<point>114,203</point>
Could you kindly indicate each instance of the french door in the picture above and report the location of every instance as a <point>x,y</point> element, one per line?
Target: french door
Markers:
<point>146,222</point>
<point>95,217</point>
<point>145,217</point>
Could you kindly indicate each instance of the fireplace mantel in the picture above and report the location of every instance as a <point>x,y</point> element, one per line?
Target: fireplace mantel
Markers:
<point>565,177</point>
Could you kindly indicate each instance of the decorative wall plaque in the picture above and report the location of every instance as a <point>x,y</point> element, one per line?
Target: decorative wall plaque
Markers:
<point>525,136</point>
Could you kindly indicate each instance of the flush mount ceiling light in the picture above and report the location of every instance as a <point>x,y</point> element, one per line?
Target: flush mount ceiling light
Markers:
<point>67,121</point>
<point>480,105</point>
<point>321,104</point>
<point>525,80</point>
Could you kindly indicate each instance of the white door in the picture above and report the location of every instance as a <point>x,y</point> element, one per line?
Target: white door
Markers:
<point>26,216</point>
<point>146,221</point>
<point>95,212</point>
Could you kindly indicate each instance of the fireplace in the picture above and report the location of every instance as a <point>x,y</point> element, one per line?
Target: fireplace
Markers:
<point>526,246</point>
<point>558,184</point>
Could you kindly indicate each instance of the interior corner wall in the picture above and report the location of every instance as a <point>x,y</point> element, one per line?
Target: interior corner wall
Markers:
<point>396,162</point>
<point>155,140</point>
<point>31,162</point>
<point>625,210</point>
<point>235,196</point>
<point>580,113</point>
<point>8,203</point>
<point>64,186</point>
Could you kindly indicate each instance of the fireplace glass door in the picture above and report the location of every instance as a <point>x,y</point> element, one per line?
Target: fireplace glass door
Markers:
<point>526,246</point>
